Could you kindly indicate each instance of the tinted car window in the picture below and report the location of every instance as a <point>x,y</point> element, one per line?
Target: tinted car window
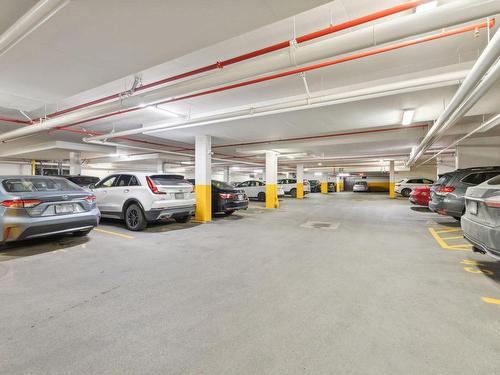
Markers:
<point>444,179</point>
<point>479,178</point>
<point>243,184</point>
<point>494,181</point>
<point>222,185</point>
<point>107,182</point>
<point>168,179</point>
<point>27,184</point>
<point>124,180</point>
<point>426,181</point>
<point>134,182</point>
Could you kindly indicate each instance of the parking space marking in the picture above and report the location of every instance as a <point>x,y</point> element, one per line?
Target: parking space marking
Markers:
<point>453,238</point>
<point>442,240</point>
<point>114,233</point>
<point>493,301</point>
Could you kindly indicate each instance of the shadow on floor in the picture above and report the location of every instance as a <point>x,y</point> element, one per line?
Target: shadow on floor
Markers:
<point>39,246</point>
<point>160,226</point>
<point>420,209</point>
<point>492,266</point>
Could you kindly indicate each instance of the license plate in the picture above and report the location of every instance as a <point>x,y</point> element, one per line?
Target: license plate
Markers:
<point>179,195</point>
<point>473,207</point>
<point>64,208</point>
<point>240,197</point>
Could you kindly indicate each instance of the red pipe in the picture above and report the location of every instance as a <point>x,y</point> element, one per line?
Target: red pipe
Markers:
<point>324,64</point>
<point>276,47</point>
<point>7,119</point>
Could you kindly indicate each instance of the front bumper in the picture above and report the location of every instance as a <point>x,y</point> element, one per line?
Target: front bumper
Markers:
<point>17,228</point>
<point>482,236</point>
<point>171,212</point>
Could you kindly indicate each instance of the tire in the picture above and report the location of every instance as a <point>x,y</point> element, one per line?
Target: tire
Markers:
<point>293,193</point>
<point>229,212</point>
<point>261,196</point>
<point>81,233</point>
<point>134,218</point>
<point>406,192</point>
<point>183,219</point>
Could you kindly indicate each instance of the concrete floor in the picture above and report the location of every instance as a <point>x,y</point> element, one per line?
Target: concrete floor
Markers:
<point>261,292</point>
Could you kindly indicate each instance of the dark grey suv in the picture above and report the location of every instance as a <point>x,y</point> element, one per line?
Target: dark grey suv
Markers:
<point>448,193</point>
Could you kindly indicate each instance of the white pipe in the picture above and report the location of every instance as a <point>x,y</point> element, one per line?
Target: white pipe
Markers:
<point>42,11</point>
<point>448,117</point>
<point>411,85</point>
<point>107,143</point>
<point>457,12</point>
<point>490,124</point>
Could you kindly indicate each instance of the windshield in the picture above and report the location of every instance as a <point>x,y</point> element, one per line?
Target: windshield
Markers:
<point>222,185</point>
<point>32,184</point>
<point>361,183</point>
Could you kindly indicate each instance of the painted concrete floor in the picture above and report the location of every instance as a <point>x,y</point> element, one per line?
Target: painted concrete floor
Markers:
<point>337,284</point>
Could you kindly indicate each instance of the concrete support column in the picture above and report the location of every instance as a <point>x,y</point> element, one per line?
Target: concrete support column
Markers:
<point>75,163</point>
<point>159,166</point>
<point>272,179</point>
<point>203,178</point>
<point>33,167</point>
<point>392,180</point>
<point>227,175</point>
<point>338,184</point>
<point>324,184</point>
<point>300,181</point>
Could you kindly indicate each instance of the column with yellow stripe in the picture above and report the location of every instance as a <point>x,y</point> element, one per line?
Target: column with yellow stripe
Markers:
<point>300,181</point>
<point>338,184</point>
<point>324,183</point>
<point>203,178</point>
<point>392,182</point>
<point>272,179</point>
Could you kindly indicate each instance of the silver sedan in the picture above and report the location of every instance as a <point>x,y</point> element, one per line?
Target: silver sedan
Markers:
<point>360,186</point>
<point>38,206</point>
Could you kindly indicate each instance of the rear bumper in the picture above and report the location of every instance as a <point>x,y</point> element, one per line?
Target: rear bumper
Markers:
<point>173,212</point>
<point>444,207</point>
<point>482,236</point>
<point>420,201</point>
<point>233,205</point>
<point>24,227</point>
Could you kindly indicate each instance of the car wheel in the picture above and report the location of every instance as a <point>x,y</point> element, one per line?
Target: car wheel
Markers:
<point>229,212</point>
<point>261,196</point>
<point>183,219</point>
<point>134,218</point>
<point>81,233</point>
<point>293,193</point>
<point>406,192</point>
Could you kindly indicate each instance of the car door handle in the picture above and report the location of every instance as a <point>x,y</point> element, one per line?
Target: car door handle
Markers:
<point>126,190</point>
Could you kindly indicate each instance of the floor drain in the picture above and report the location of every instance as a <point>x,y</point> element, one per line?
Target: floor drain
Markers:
<point>320,225</point>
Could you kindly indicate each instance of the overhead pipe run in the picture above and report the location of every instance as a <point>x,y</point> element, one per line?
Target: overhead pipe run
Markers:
<point>457,12</point>
<point>480,78</point>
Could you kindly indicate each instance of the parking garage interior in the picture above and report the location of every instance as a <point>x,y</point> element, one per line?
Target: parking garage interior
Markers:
<point>249,187</point>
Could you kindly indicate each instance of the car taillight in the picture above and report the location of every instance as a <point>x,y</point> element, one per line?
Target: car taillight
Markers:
<point>445,189</point>
<point>153,187</point>
<point>492,202</point>
<point>21,203</point>
<point>226,195</point>
<point>90,198</point>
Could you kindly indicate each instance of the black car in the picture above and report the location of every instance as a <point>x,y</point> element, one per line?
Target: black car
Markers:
<point>226,198</point>
<point>82,181</point>
<point>315,186</point>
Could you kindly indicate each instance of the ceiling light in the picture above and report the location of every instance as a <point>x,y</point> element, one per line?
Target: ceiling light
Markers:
<point>320,164</point>
<point>426,6</point>
<point>163,111</point>
<point>257,171</point>
<point>408,116</point>
<point>344,174</point>
<point>318,173</point>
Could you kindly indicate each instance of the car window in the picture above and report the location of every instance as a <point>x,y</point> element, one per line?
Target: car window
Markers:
<point>426,181</point>
<point>479,178</point>
<point>134,181</point>
<point>222,185</point>
<point>494,181</point>
<point>243,184</point>
<point>123,180</point>
<point>27,184</point>
<point>168,179</point>
<point>444,179</point>
<point>107,182</point>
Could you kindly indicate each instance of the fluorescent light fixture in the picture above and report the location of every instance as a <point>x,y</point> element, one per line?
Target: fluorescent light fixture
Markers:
<point>344,174</point>
<point>318,174</point>
<point>426,6</point>
<point>408,116</point>
<point>163,111</point>
<point>320,164</point>
<point>257,171</point>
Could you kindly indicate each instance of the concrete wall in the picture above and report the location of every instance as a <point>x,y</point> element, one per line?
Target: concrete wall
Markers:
<point>425,171</point>
<point>15,169</point>
<point>479,152</point>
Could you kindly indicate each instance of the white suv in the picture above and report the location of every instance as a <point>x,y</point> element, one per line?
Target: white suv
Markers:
<point>289,186</point>
<point>406,186</point>
<point>255,189</point>
<point>138,198</point>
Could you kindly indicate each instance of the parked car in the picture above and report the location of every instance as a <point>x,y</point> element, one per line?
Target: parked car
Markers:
<point>448,194</point>
<point>360,186</point>
<point>481,222</point>
<point>255,189</point>
<point>315,186</point>
<point>405,186</point>
<point>138,198</point>
<point>421,196</point>
<point>289,186</point>
<point>38,206</point>
<point>83,181</point>
<point>331,187</point>
<point>226,198</point>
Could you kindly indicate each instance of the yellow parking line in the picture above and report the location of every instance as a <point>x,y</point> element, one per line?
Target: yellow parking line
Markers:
<point>449,230</point>
<point>114,233</point>
<point>443,243</point>
<point>493,301</point>
<point>461,246</point>
<point>453,238</point>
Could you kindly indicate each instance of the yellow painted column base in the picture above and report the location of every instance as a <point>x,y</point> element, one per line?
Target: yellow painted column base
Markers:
<point>392,190</point>
<point>300,190</point>
<point>272,196</point>
<point>324,187</point>
<point>203,211</point>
